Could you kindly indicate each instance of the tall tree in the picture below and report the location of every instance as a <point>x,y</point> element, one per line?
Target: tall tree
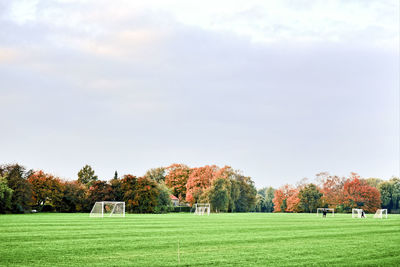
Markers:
<point>164,203</point>
<point>176,179</point>
<point>74,197</point>
<point>16,176</point>
<point>46,189</point>
<point>332,190</point>
<point>358,194</point>
<point>266,203</point>
<point>98,191</point>
<point>87,175</point>
<point>310,198</point>
<point>247,199</point>
<point>286,199</point>
<point>199,181</point>
<point>115,175</point>
<point>5,195</point>
<point>219,194</point>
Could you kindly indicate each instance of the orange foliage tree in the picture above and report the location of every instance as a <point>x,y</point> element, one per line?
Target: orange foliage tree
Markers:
<point>358,194</point>
<point>286,199</point>
<point>176,179</point>
<point>200,179</point>
<point>45,189</point>
<point>332,190</point>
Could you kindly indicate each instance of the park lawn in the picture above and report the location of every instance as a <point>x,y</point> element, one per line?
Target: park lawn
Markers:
<point>238,239</point>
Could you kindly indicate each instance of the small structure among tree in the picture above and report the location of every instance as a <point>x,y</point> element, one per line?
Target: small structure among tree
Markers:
<point>174,200</point>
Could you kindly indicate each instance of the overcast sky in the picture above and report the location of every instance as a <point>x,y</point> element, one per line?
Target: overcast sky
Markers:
<point>278,89</point>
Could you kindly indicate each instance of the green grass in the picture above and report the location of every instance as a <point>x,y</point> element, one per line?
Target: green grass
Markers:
<point>250,239</point>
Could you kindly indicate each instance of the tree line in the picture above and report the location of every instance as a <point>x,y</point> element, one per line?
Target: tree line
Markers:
<point>332,191</point>
<point>226,189</point>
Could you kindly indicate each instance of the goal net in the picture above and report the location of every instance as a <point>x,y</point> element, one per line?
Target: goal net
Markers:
<point>357,213</point>
<point>108,209</point>
<point>201,209</point>
<point>321,211</point>
<point>380,213</point>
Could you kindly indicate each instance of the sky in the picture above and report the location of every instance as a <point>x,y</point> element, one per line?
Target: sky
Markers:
<point>280,90</point>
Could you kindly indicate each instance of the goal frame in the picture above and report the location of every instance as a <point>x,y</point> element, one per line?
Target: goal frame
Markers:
<point>104,204</point>
<point>201,208</point>
<point>356,213</point>
<point>320,210</point>
<point>379,214</point>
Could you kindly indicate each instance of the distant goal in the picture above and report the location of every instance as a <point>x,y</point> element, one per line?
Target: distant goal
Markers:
<point>357,213</point>
<point>321,211</point>
<point>202,208</point>
<point>380,213</point>
<point>108,209</point>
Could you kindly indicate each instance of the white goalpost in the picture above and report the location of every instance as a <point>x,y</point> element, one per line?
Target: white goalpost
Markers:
<point>357,213</point>
<point>380,213</point>
<point>108,209</point>
<point>321,210</point>
<point>202,208</point>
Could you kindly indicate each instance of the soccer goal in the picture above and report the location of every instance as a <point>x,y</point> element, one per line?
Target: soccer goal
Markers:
<point>321,211</point>
<point>202,208</point>
<point>108,209</point>
<point>380,213</point>
<point>357,213</point>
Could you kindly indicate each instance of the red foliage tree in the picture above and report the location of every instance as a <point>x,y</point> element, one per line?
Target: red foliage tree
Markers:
<point>332,190</point>
<point>46,189</point>
<point>176,179</point>
<point>358,194</point>
<point>99,191</point>
<point>286,199</point>
<point>200,179</point>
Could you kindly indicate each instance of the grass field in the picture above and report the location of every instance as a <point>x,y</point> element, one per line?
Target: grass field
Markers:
<point>251,239</point>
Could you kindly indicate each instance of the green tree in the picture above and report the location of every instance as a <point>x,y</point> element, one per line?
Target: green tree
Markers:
<point>390,194</point>
<point>265,199</point>
<point>16,176</point>
<point>5,195</point>
<point>219,194</point>
<point>164,203</point>
<point>310,198</point>
<point>156,174</point>
<point>87,176</point>
<point>115,175</point>
<point>247,198</point>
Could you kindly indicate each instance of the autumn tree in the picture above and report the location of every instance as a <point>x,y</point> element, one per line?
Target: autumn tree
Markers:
<point>5,195</point>
<point>87,176</point>
<point>74,197</point>
<point>332,189</point>
<point>358,194</point>
<point>146,195</point>
<point>200,179</point>
<point>16,176</point>
<point>46,189</point>
<point>156,174</point>
<point>176,179</point>
<point>285,199</point>
<point>98,191</point>
<point>310,198</point>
